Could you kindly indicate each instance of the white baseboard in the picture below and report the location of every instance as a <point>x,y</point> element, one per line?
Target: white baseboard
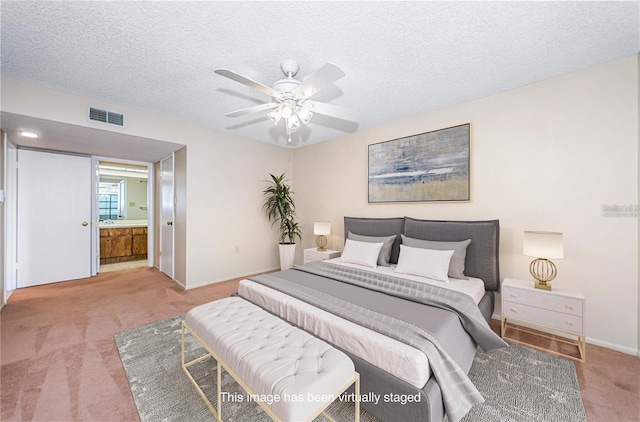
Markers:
<point>616,347</point>
<point>8,294</point>
<point>231,277</point>
<point>179,283</point>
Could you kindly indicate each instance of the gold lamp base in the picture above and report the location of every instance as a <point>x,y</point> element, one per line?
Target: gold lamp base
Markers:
<point>543,286</point>
<point>543,271</point>
<point>321,242</point>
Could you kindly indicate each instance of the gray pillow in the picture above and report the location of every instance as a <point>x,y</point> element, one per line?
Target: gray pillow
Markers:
<point>387,243</point>
<point>456,266</point>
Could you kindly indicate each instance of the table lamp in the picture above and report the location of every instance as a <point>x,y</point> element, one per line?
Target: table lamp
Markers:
<point>321,229</point>
<point>543,246</point>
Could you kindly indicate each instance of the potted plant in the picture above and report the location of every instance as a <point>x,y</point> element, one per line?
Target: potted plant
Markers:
<point>280,209</point>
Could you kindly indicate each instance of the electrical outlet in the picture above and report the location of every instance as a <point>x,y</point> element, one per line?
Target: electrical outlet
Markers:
<point>236,249</point>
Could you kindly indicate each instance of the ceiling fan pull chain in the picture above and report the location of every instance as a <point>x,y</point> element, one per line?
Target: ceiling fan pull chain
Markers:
<point>286,125</point>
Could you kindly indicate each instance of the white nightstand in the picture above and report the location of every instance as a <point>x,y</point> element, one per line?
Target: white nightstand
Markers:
<point>558,311</point>
<point>312,254</point>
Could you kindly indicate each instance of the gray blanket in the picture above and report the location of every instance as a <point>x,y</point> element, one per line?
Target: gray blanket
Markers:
<point>458,392</point>
<point>428,294</point>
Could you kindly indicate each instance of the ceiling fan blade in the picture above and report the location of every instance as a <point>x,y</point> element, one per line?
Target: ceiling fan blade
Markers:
<point>331,110</point>
<point>325,76</point>
<point>252,109</point>
<point>249,82</point>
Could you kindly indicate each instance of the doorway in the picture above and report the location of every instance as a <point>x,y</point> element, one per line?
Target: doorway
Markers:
<point>123,197</point>
<point>61,208</point>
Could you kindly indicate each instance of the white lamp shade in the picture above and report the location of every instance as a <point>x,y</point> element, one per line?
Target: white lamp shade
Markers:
<point>547,245</point>
<point>321,228</point>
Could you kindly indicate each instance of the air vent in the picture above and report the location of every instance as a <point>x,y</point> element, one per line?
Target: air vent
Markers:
<point>106,116</point>
<point>98,115</point>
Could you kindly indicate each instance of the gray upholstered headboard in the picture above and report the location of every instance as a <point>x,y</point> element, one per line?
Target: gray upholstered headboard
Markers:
<point>482,260</point>
<point>377,227</point>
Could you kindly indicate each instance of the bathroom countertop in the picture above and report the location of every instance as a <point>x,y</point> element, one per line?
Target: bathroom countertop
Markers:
<point>123,224</point>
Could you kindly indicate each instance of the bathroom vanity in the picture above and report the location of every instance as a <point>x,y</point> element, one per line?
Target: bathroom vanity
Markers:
<point>123,241</point>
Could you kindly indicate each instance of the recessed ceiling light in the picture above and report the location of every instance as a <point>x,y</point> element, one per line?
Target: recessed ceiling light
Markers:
<point>27,134</point>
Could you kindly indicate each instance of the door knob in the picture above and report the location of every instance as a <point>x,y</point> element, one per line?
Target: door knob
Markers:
<point>84,223</point>
<point>169,223</point>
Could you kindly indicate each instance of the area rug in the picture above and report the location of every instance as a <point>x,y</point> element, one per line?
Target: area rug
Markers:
<point>519,384</point>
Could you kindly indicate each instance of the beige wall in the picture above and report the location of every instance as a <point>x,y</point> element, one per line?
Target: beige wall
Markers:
<point>223,181</point>
<point>2,265</point>
<point>136,195</point>
<point>547,156</point>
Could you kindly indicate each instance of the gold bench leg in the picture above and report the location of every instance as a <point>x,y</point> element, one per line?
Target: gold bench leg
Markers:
<point>219,370</point>
<point>357,403</point>
<point>185,368</point>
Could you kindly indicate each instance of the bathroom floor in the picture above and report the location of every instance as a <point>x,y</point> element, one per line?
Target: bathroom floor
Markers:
<point>105,268</point>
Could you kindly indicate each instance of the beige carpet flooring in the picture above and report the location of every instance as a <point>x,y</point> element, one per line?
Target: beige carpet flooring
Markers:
<point>59,361</point>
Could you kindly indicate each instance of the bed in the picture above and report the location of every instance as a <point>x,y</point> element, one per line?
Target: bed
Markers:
<point>344,304</point>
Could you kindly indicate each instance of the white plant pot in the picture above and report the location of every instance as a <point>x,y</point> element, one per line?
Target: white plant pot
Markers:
<point>287,255</point>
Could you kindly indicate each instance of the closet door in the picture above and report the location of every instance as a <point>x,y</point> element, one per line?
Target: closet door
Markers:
<point>167,194</point>
<point>54,217</point>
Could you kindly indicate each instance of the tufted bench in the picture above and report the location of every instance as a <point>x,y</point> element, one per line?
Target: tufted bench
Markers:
<point>291,374</point>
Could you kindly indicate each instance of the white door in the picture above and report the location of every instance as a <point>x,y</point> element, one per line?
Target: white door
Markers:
<point>167,194</point>
<point>54,217</point>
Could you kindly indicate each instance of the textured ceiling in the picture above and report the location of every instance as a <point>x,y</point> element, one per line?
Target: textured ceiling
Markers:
<point>400,58</point>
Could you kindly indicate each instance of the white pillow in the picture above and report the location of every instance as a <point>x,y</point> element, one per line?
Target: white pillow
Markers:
<point>424,262</point>
<point>362,253</point>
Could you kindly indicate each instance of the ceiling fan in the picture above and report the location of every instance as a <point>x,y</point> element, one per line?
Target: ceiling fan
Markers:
<point>291,101</point>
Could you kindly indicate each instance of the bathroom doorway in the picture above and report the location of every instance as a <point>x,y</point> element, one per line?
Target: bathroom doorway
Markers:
<point>123,204</point>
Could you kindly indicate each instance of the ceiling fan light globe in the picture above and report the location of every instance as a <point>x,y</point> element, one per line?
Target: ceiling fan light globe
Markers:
<point>286,110</point>
<point>275,116</point>
<point>304,114</point>
<point>293,122</point>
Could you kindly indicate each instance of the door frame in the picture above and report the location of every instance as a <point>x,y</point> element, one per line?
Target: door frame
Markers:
<point>10,240</point>
<point>95,214</point>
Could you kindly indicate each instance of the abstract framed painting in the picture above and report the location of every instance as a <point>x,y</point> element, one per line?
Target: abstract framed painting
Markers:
<point>431,166</point>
